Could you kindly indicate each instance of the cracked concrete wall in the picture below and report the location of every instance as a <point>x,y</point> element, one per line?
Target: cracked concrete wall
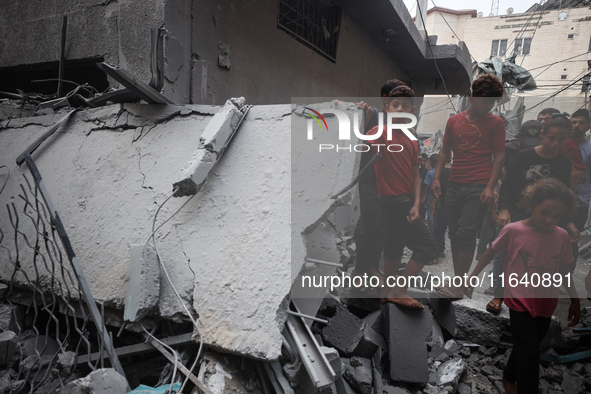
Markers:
<point>109,169</point>
<point>107,172</point>
<point>229,250</point>
<point>269,66</point>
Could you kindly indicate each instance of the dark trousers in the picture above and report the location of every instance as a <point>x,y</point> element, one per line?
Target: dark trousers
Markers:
<point>367,231</point>
<point>440,227</point>
<point>523,366</point>
<point>580,220</point>
<point>465,213</point>
<point>397,232</point>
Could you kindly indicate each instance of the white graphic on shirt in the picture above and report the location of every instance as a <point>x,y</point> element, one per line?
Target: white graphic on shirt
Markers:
<point>534,267</point>
<point>537,172</point>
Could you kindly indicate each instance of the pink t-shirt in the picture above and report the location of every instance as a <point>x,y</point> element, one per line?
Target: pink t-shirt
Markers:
<point>534,254</point>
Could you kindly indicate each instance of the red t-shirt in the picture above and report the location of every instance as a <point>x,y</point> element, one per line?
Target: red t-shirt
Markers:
<point>573,152</point>
<point>529,257</point>
<point>394,171</point>
<point>473,144</point>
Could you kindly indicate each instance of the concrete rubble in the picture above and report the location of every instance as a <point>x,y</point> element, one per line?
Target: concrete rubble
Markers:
<point>233,254</point>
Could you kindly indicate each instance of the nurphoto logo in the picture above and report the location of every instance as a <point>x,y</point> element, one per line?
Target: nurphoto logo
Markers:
<point>394,121</point>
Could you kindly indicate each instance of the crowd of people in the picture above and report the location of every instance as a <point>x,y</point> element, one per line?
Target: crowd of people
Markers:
<point>526,201</point>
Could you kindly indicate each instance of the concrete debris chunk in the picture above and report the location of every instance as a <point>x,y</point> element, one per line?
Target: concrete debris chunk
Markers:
<point>358,372</point>
<point>449,372</point>
<point>408,332</point>
<point>452,346</point>
<point>476,325</point>
<point>11,317</point>
<point>344,330</point>
<point>572,383</point>
<point>214,140</point>
<point>445,314</point>
<point>332,355</point>
<point>8,347</point>
<point>101,381</point>
<point>65,361</point>
<point>395,390</point>
<point>143,289</point>
<point>464,389</point>
<point>370,343</point>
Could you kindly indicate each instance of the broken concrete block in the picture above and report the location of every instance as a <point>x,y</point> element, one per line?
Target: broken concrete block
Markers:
<point>476,325</point>
<point>343,387</point>
<point>8,347</point>
<point>464,389</point>
<point>194,173</point>
<point>105,380</point>
<point>358,372</point>
<point>332,356</point>
<point>65,361</point>
<point>572,383</point>
<point>452,346</point>
<point>220,128</point>
<point>370,343</point>
<point>6,378</point>
<point>444,313</point>
<point>344,330</point>
<point>449,372</point>
<point>143,289</point>
<point>395,390</point>
<point>408,332</point>
<point>11,317</point>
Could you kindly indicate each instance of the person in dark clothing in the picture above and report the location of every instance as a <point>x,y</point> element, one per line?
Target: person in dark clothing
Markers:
<point>438,209</point>
<point>367,231</point>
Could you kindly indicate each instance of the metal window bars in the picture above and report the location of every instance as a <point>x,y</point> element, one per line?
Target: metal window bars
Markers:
<point>62,308</point>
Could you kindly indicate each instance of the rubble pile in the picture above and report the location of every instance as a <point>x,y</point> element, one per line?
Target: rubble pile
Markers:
<point>396,350</point>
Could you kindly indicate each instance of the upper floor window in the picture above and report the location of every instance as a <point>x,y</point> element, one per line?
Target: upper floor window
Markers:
<point>571,36</point>
<point>314,23</point>
<point>523,46</point>
<point>498,48</point>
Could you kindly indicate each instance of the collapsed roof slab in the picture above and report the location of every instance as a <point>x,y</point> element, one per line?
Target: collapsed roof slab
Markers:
<point>228,250</point>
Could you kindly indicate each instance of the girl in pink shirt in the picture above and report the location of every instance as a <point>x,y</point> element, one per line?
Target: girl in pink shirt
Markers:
<point>537,258</point>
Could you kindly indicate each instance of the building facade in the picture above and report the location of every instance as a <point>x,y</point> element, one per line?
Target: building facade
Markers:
<point>554,45</point>
<point>265,50</point>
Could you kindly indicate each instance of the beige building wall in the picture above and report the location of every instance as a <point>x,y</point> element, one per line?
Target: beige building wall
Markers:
<point>550,42</point>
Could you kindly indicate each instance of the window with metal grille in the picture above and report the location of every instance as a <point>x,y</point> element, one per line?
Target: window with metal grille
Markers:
<point>563,76</point>
<point>498,48</point>
<point>523,46</point>
<point>571,36</point>
<point>314,23</point>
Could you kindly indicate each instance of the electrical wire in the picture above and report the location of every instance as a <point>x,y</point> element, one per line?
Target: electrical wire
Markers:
<point>433,56</point>
<point>154,229</point>
<point>450,28</point>
<point>553,95</point>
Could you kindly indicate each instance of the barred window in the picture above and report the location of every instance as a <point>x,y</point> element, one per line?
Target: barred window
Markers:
<point>314,23</point>
<point>523,46</point>
<point>498,48</point>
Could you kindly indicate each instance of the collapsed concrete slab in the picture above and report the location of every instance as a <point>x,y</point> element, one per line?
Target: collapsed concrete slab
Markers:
<point>228,249</point>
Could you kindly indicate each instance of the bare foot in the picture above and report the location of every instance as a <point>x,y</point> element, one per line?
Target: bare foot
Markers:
<point>510,387</point>
<point>403,300</point>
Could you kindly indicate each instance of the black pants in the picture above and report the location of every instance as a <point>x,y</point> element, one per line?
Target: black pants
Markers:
<point>523,366</point>
<point>580,220</point>
<point>440,227</point>
<point>398,232</point>
<point>367,231</point>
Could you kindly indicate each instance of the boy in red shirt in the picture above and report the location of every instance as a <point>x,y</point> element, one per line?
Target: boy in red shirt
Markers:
<point>399,188</point>
<point>477,139</point>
